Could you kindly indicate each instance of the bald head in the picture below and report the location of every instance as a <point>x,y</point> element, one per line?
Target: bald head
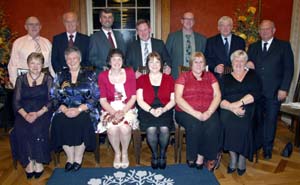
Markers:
<point>70,20</point>
<point>188,22</point>
<point>33,26</point>
<point>267,30</point>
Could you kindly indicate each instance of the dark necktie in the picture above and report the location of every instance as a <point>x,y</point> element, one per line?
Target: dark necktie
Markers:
<point>265,50</point>
<point>71,42</point>
<point>110,40</point>
<point>226,46</point>
<point>188,50</point>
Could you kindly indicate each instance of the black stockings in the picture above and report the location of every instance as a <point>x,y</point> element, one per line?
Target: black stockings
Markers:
<point>156,138</point>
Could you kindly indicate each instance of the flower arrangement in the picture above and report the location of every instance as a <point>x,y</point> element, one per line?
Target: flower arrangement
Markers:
<point>6,40</point>
<point>247,23</point>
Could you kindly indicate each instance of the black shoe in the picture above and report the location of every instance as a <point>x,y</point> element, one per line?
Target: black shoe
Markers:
<point>162,163</point>
<point>154,163</point>
<point>241,172</point>
<point>38,174</point>
<point>29,175</point>
<point>230,170</point>
<point>68,167</point>
<point>191,164</point>
<point>76,166</point>
<point>199,166</point>
<point>267,155</point>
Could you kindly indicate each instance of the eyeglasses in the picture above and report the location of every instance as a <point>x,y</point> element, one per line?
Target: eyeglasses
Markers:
<point>33,24</point>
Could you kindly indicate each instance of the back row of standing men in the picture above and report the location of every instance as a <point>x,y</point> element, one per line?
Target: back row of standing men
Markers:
<point>272,58</point>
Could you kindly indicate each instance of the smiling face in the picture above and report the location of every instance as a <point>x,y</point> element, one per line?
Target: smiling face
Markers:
<point>70,22</point>
<point>73,61</point>
<point>35,66</point>
<point>225,27</point>
<point>106,20</point>
<point>154,65</point>
<point>266,30</point>
<point>33,26</point>
<point>143,31</point>
<point>198,65</point>
<point>116,61</point>
<point>238,64</point>
<point>188,21</point>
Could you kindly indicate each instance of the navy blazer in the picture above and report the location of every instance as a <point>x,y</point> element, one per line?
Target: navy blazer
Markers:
<point>175,46</point>
<point>100,46</point>
<point>275,68</point>
<point>215,50</point>
<point>60,44</point>
<point>134,57</point>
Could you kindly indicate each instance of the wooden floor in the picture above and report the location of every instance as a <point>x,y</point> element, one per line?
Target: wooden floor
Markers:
<point>278,170</point>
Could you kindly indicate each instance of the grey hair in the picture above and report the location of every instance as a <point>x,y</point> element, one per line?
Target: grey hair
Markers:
<point>237,54</point>
<point>72,49</point>
<point>223,19</point>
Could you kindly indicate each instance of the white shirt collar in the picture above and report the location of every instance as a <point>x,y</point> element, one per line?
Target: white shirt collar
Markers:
<point>74,35</point>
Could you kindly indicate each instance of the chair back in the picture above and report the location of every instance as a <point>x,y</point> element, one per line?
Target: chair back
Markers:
<point>182,69</point>
<point>143,69</point>
<point>296,97</point>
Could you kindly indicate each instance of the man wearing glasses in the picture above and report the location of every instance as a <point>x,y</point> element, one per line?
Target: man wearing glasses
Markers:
<point>182,43</point>
<point>23,46</point>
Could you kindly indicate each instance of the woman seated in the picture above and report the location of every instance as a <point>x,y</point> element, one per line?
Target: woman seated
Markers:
<point>239,91</point>
<point>75,93</point>
<point>197,95</point>
<point>30,136</point>
<point>118,96</point>
<point>155,97</point>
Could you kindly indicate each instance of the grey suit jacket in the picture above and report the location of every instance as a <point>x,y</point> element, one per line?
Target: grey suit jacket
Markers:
<point>99,49</point>
<point>175,48</point>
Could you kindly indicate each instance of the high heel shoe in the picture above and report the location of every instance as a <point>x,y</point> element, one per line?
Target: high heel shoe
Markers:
<point>117,161</point>
<point>125,161</point>
<point>230,170</point>
<point>76,166</point>
<point>191,164</point>
<point>154,163</point>
<point>241,172</point>
<point>162,163</point>
<point>68,167</point>
<point>38,174</point>
<point>29,175</point>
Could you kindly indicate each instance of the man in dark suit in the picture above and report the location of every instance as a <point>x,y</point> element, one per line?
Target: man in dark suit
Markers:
<point>221,46</point>
<point>274,63</point>
<point>181,44</point>
<point>104,40</point>
<point>139,49</point>
<point>69,38</point>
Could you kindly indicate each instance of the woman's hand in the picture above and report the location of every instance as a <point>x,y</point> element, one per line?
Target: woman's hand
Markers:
<point>206,115</point>
<point>31,117</point>
<point>240,112</point>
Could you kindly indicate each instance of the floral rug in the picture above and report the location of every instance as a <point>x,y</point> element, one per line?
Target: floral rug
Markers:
<point>174,174</point>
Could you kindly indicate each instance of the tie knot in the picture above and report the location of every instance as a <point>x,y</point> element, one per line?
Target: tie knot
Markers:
<point>188,36</point>
<point>71,36</point>
<point>109,33</point>
<point>265,44</point>
<point>225,39</point>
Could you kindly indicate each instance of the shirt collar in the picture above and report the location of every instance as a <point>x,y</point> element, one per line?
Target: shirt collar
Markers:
<point>269,41</point>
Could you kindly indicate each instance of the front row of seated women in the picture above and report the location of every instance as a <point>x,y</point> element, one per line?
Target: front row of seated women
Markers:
<point>75,93</point>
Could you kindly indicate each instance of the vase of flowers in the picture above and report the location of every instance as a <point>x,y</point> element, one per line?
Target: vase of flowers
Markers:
<point>6,40</point>
<point>247,23</point>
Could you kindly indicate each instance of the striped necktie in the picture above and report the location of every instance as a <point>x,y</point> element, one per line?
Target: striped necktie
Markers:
<point>146,52</point>
<point>37,46</point>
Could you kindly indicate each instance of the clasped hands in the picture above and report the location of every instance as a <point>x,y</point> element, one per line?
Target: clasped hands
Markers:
<point>156,112</point>
<point>115,118</point>
<point>203,116</point>
<point>237,109</point>
<point>32,116</point>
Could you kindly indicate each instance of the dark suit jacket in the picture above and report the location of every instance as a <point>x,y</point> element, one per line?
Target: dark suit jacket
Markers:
<point>275,68</point>
<point>100,46</point>
<point>134,57</point>
<point>174,45</point>
<point>60,44</point>
<point>215,50</point>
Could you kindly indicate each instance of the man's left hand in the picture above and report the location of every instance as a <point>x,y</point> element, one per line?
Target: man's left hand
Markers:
<point>281,95</point>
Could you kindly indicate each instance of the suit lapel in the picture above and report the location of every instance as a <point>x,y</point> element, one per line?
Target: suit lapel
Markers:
<point>139,55</point>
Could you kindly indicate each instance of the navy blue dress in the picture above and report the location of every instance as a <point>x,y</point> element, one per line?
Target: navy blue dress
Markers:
<point>31,140</point>
<point>81,129</point>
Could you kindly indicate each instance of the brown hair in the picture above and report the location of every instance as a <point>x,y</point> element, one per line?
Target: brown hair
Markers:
<point>37,56</point>
<point>153,55</point>
<point>142,21</point>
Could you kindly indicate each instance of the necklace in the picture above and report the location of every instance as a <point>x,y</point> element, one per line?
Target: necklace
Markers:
<point>34,79</point>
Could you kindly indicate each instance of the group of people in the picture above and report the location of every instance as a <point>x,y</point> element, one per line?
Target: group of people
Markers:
<point>217,105</point>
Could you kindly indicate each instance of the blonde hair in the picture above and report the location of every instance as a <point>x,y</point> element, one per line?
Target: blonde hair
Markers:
<point>194,55</point>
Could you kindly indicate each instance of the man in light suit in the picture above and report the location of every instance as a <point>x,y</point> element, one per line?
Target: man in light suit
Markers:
<point>66,39</point>
<point>273,61</point>
<point>139,49</point>
<point>182,43</point>
<point>217,52</point>
<point>105,39</point>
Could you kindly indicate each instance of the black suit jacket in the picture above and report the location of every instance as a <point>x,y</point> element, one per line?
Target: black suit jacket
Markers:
<point>100,47</point>
<point>60,44</point>
<point>134,57</point>
<point>275,68</point>
<point>215,50</point>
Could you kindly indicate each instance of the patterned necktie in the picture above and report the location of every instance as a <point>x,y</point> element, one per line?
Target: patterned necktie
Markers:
<point>37,46</point>
<point>71,42</point>
<point>265,50</point>
<point>146,52</point>
<point>188,50</point>
<point>226,47</point>
<point>110,40</point>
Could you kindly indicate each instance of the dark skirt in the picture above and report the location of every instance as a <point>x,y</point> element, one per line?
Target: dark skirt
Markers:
<point>31,140</point>
<point>72,131</point>
<point>238,133</point>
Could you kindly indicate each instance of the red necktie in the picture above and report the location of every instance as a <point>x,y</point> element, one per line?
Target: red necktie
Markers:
<point>71,42</point>
<point>110,40</point>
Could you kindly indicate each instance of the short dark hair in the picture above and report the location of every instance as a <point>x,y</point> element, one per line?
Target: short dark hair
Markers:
<point>105,10</point>
<point>142,21</point>
<point>156,55</point>
<point>112,52</point>
<point>71,50</point>
<point>37,56</point>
